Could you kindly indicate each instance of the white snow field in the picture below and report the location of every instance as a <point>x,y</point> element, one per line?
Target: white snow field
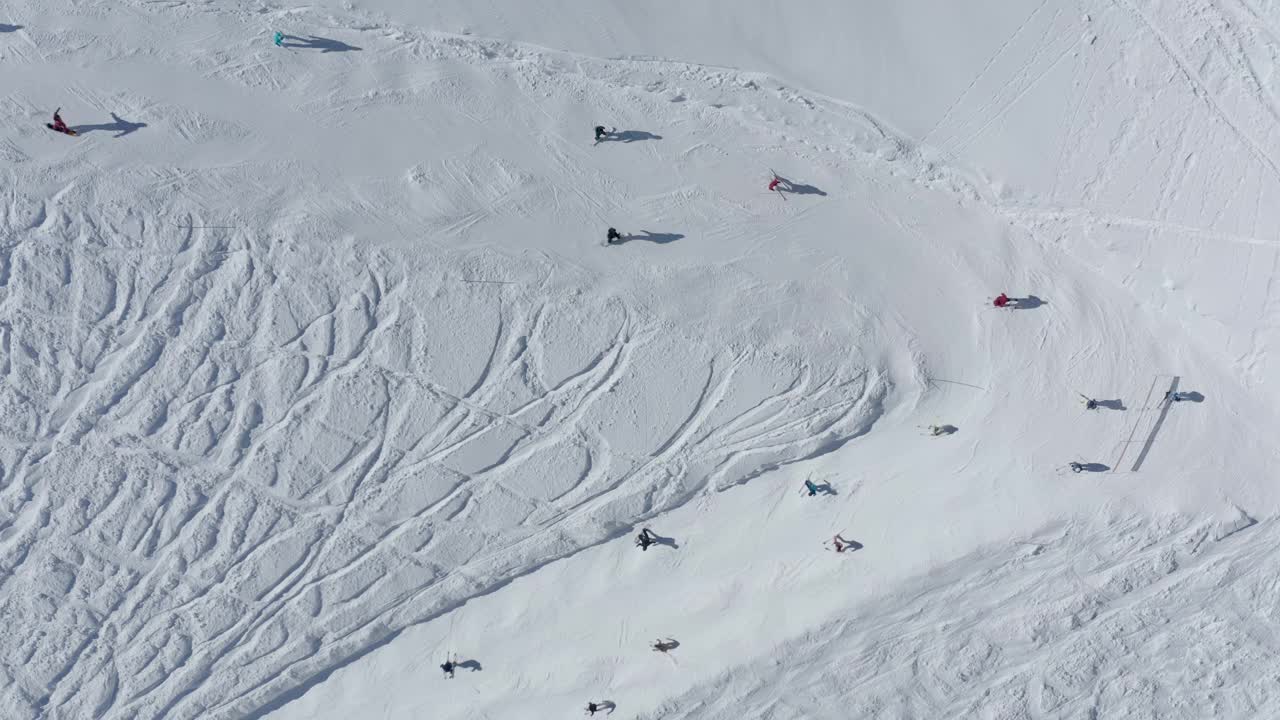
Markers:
<point>317,369</point>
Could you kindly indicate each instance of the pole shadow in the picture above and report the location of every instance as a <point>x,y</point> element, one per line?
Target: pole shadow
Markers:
<point>120,126</point>
<point>314,42</point>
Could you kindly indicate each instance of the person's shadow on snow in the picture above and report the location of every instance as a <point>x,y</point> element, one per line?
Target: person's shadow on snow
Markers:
<point>5,27</point>
<point>660,238</point>
<point>313,42</point>
<point>120,126</point>
<point>787,186</point>
<point>628,136</point>
<point>1030,302</point>
<point>472,665</point>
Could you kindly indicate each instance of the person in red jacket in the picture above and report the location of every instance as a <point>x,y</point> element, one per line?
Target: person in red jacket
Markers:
<point>57,121</point>
<point>1002,300</point>
<point>773,184</point>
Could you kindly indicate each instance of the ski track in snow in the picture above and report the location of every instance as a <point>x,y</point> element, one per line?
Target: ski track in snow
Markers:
<point>239,449</point>
<point>231,461</point>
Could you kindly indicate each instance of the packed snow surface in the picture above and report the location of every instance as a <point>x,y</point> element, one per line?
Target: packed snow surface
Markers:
<point>317,370</point>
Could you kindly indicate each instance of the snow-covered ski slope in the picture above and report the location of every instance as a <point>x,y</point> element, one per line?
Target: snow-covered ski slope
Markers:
<point>317,368</point>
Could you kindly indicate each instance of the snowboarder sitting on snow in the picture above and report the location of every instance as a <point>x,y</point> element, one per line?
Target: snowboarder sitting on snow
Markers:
<point>1003,300</point>
<point>448,667</point>
<point>645,539</point>
<point>612,236</point>
<point>57,122</point>
<point>813,489</point>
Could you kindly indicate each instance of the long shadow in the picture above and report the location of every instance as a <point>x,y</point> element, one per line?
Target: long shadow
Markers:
<point>1030,302</point>
<point>628,136</point>
<point>472,665</point>
<point>666,645</point>
<point>660,238</point>
<point>313,42</point>
<point>608,706</point>
<point>799,188</point>
<point>1094,467</point>
<point>120,127</point>
<point>1116,404</point>
<point>5,27</point>
<point>1155,429</point>
<point>825,489</point>
<point>1192,396</point>
<point>666,541</point>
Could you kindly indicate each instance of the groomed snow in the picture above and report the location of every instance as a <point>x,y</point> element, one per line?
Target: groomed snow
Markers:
<point>317,368</point>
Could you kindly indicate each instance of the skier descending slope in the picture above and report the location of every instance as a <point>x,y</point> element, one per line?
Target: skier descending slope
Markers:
<point>813,489</point>
<point>612,236</point>
<point>1003,300</point>
<point>448,667</point>
<point>279,39</point>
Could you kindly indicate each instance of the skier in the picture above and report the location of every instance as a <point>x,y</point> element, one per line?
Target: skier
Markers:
<point>592,708</point>
<point>1172,396</point>
<point>841,544</point>
<point>279,39</point>
<point>1090,404</point>
<point>612,236</point>
<point>1002,300</point>
<point>1075,467</point>
<point>936,430</point>
<point>645,539</point>
<point>773,184</point>
<point>813,489</point>
<point>601,133</point>
<point>448,667</point>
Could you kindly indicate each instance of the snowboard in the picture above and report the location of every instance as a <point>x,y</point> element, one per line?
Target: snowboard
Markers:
<point>68,131</point>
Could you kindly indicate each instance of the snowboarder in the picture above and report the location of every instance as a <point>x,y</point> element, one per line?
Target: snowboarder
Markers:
<point>601,133</point>
<point>813,489</point>
<point>58,125</point>
<point>612,236</point>
<point>664,646</point>
<point>279,39</point>
<point>645,539</point>
<point>841,544</point>
<point>1075,467</point>
<point>448,666</point>
<point>1003,300</point>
